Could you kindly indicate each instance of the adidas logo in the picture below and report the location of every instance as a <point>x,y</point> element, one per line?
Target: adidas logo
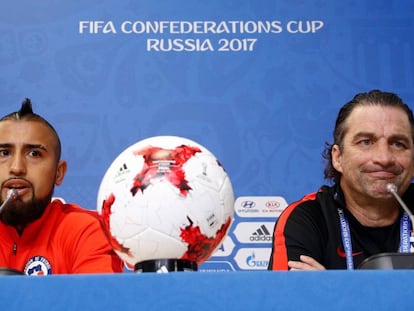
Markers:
<point>261,234</point>
<point>121,170</point>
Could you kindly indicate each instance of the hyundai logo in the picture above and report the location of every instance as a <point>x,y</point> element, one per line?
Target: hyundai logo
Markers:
<point>248,204</point>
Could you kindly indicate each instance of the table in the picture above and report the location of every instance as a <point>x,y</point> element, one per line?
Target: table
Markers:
<point>249,290</point>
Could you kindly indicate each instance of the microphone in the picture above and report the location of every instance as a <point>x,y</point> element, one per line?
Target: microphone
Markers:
<point>392,188</point>
<point>12,194</point>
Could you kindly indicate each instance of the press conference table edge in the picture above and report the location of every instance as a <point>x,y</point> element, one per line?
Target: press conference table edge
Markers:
<point>242,290</point>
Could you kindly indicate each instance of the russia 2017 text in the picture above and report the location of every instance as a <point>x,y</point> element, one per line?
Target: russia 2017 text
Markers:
<point>201,45</point>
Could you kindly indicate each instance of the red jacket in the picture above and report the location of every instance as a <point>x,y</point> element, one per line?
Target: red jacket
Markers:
<point>66,239</point>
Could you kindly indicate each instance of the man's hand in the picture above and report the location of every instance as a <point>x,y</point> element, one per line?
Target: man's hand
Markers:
<point>305,263</point>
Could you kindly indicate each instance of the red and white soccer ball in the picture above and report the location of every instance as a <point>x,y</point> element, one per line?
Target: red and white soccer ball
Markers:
<point>166,197</point>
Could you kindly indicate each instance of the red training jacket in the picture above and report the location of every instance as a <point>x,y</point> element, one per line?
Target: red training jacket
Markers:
<point>66,239</point>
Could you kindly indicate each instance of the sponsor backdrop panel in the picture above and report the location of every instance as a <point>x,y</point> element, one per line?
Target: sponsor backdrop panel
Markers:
<point>256,82</point>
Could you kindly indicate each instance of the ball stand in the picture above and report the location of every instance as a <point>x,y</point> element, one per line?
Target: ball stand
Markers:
<point>165,266</point>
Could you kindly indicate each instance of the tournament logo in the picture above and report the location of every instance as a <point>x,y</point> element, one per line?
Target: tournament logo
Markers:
<point>38,265</point>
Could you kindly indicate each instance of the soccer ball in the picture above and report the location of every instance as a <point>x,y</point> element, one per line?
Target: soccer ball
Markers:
<point>166,197</point>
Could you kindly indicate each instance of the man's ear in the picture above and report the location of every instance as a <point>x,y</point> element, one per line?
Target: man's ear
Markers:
<point>336,158</point>
<point>60,172</point>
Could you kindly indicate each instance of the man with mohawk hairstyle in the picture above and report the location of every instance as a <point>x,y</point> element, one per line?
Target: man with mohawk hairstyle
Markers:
<point>38,235</point>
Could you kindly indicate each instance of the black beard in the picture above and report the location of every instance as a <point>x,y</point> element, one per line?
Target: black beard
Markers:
<point>18,214</point>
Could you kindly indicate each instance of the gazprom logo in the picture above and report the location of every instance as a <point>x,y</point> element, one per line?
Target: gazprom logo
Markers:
<point>248,204</point>
<point>255,263</point>
<point>253,258</point>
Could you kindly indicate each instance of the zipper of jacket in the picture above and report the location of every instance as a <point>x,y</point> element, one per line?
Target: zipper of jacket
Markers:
<point>14,248</point>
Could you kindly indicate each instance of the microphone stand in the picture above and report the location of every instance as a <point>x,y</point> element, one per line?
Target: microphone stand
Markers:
<point>392,188</point>
<point>12,194</point>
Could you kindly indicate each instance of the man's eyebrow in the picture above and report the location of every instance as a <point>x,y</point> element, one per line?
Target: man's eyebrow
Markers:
<point>27,146</point>
<point>35,146</point>
<point>363,134</point>
<point>402,137</point>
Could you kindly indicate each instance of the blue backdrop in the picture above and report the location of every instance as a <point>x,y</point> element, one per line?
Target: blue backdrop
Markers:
<point>258,83</point>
